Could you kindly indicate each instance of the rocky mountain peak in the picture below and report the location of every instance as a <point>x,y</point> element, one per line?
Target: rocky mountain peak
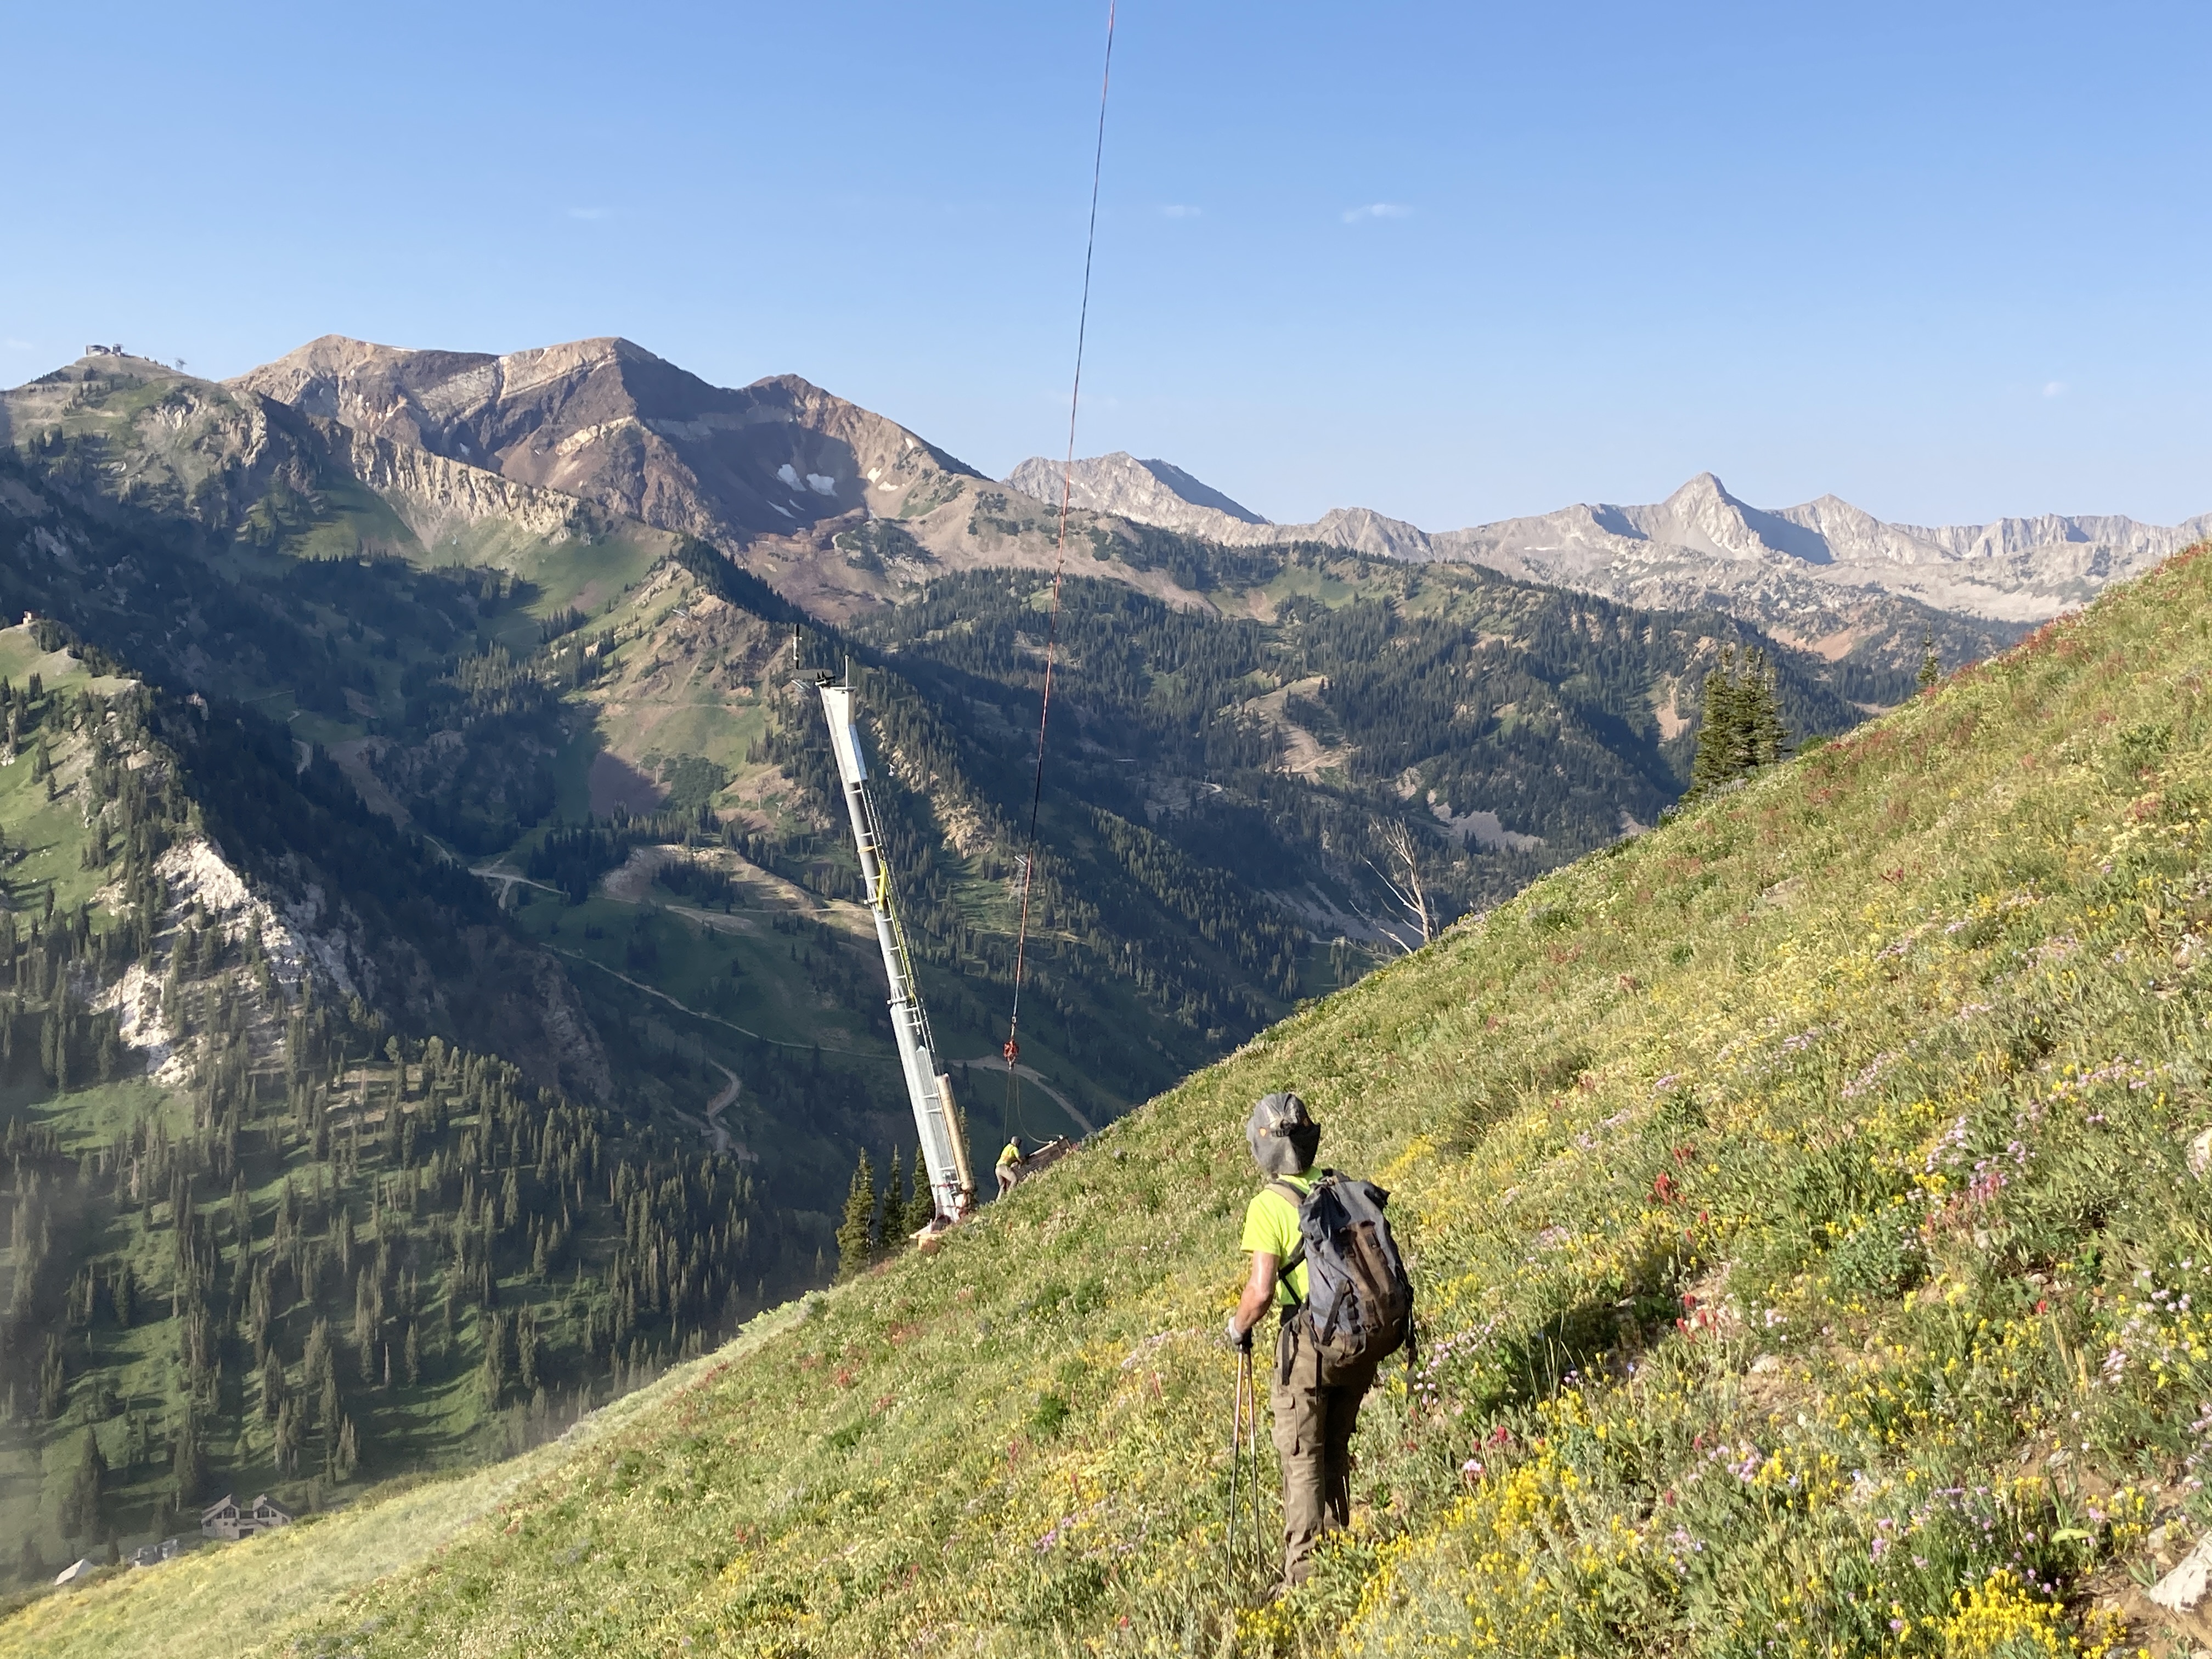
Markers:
<point>1152,492</point>
<point>608,421</point>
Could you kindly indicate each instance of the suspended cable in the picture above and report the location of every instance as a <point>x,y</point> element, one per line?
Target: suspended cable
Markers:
<point>1012,1050</point>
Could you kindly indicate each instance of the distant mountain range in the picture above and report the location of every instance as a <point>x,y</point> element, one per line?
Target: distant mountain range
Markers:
<point>842,510</point>
<point>1789,569</point>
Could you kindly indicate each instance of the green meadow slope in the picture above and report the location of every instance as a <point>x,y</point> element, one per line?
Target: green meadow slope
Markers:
<point>1800,1196</point>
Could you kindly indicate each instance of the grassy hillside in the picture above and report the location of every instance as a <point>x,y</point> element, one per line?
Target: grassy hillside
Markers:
<point>1802,1203</point>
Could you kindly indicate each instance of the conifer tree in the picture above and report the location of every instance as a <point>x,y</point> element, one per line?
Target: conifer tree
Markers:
<point>1742,729</point>
<point>81,1503</point>
<point>1931,665</point>
<point>492,1379</point>
<point>921,1205</point>
<point>1719,730</point>
<point>894,1206</point>
<point>188,1464</point>
<point>856,1234</point>
<point>272,1385</point>
<point>1766,738</point>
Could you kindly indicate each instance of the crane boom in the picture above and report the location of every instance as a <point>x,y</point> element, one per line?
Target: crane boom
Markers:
<point>936,1118</point>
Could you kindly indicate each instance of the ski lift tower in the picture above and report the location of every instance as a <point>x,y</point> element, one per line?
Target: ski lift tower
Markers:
<point>936,1118</point>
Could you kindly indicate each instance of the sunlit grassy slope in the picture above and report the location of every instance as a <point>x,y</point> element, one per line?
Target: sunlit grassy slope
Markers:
<point>1800,1207</point>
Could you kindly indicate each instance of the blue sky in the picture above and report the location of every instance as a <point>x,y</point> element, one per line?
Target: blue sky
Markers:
<point>1451,262</point>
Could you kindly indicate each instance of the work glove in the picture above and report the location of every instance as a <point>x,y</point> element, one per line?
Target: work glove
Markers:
<point>1240,1340</point>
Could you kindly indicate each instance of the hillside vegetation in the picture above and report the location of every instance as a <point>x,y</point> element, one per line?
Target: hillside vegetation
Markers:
<point>1801,1201</point>
<point>255,1234</point>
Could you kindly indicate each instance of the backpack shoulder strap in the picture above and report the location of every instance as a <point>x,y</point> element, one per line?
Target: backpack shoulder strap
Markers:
<point>1295,1199</point>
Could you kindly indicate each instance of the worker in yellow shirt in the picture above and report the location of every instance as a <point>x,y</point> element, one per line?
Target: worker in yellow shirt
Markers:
<point>1010,1166</point>
<point>1316,1406</point>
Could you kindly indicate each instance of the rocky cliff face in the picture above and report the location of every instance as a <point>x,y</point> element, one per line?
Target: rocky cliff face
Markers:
<point>436,496</point>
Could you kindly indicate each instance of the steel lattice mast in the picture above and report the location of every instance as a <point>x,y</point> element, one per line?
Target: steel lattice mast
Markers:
<point>936,1118</point>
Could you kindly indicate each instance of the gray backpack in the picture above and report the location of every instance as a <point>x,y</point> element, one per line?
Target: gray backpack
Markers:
<point>1360,1301</point>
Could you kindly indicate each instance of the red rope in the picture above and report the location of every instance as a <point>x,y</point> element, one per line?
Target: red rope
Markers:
<point>1013,1048</point>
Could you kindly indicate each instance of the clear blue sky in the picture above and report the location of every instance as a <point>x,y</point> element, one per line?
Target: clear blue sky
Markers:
<point>1452,262</point>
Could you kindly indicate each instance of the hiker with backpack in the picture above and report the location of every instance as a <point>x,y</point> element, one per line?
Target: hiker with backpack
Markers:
<point>1323,1254</point>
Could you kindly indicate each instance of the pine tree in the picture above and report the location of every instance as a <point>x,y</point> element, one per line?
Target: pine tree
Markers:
<point>856,1235</point>
<point>1765,737</point>
<point>921,1205</point>
<point>272,1385</point>
<point>53,1379</point>
<point>1720,730</point>
<point>1742,729</point>
<point>526,1348</point>
<point>364,1325</point>
<point>285,1447</point>
<point>492,1379</point>
<point>81,1502</point>
<point>894,1205</point>
<point>188,1463</point>
<point>1931,665</point>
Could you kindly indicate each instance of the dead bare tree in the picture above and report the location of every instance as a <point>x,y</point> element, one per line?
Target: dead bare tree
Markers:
<point>1406,889</point>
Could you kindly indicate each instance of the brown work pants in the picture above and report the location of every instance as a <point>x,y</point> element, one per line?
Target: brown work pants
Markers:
<point>1313,1420</point>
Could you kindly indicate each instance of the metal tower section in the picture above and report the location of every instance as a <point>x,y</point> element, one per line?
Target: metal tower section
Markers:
<point>944,1149</point>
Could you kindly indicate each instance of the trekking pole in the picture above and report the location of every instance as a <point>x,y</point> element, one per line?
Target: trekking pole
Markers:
<point>1235,1450</point>
<point>1252,1451</point>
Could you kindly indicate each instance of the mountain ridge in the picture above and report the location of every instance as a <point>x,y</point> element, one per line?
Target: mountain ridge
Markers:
<point>1702,539</point>
<point>1157,492</point>
<point>609,422</point>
